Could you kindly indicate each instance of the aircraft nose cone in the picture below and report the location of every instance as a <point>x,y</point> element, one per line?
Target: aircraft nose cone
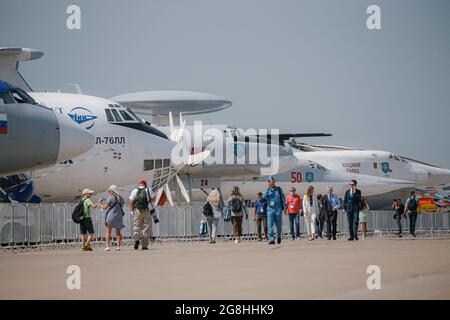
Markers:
<point>438,176</point>
<point>73,139</point>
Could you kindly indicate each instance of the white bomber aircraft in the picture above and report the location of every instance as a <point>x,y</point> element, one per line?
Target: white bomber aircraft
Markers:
<point>376,163</point>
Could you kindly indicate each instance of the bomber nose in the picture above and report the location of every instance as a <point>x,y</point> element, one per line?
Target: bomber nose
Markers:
<point>73,139</point>
<point>437,176</point>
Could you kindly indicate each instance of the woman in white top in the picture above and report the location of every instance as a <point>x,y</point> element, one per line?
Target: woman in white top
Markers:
<point>311,212</point>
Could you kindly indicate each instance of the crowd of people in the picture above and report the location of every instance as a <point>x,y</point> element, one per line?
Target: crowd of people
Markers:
<point>319,213</point>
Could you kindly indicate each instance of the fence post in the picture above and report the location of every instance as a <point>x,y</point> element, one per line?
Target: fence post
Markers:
<point>40,224</point>
<point>12,225</point>
<point>167,225</point>
<point>53,222</point>
<point>26,225</point>
<point>64,223</point>
<point>184,219</point>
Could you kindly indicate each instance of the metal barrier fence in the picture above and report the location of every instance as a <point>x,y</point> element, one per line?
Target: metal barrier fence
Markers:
<point>32,224</point>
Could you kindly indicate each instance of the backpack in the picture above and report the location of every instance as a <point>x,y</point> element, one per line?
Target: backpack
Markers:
<point>207,210</point>
<point>141,201</point>
<point>78,212</point>
<point>412,204</point>
<point>236,204</point>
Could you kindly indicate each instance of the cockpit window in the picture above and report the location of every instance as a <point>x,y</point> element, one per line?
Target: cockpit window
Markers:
<point>109,115</point>
<point>21,96</point>
<point>16,95</point>
<point>116,115</point>
<point>7,98</point>
<point>126,116</point>
<point>133,115</point>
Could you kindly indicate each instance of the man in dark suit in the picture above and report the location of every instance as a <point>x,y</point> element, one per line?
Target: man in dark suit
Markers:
<point>352,201</point>
<point>330,206</point>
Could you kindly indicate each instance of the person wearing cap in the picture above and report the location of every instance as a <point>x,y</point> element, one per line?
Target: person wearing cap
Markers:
<point>412,204</point>
<point>141,197</point>
<point>260,216</point>
<point>114,216</point>
<point>293,202</point>
<point>86,226</point>
<point>276,201</point>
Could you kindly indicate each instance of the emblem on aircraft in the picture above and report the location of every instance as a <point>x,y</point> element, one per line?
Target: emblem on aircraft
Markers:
<point>82,116</point>
<point>385,167</point>
<point>3,123</point>
<point>309,177</point>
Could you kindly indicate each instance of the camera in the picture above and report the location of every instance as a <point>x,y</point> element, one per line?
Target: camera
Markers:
<point>154,216</point>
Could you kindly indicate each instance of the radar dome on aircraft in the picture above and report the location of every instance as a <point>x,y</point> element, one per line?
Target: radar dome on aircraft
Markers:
<point>159,103</point>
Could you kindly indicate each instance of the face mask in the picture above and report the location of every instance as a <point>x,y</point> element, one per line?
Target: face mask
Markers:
<point>292,193</point>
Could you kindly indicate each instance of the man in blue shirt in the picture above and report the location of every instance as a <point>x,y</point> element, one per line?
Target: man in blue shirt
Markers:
<point>276,202</point>
<point>260,215</point>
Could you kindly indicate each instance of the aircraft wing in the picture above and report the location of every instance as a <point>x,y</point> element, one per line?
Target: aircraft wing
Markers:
<point>9,65</point>
<point>280,138</point>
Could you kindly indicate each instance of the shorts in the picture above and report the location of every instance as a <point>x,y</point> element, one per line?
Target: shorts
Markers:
<point>86,226</point>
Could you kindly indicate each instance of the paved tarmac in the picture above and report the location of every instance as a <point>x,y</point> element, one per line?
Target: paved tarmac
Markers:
<point>410,269</point>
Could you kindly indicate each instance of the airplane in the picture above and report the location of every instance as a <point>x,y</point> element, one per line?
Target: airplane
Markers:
<point>127,149</point>
<point>377,163</point>
<point>33,136</point>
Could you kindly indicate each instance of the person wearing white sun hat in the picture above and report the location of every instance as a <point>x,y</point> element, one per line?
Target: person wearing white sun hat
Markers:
<point>86,226</point>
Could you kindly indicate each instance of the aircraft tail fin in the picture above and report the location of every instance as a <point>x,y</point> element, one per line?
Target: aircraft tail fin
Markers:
<point>9,65</point>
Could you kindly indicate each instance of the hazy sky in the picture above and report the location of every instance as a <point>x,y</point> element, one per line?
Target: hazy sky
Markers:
<point>294,65</point>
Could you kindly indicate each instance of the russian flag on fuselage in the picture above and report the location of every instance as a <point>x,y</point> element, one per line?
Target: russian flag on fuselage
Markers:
<point>3,123</point>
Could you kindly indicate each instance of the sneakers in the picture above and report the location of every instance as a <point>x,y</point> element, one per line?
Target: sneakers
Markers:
<point>271,242</point>
<point>117,248</point>
<point>144,248</point>
<point>87,247</point>
<point>356,238</point>
<point>136,245</point>
<point>236,241</point>
<point>278,240</point>
<point>107,249</point>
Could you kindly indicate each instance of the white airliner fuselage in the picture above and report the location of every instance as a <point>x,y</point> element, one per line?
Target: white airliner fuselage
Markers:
<point>126,149</point>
